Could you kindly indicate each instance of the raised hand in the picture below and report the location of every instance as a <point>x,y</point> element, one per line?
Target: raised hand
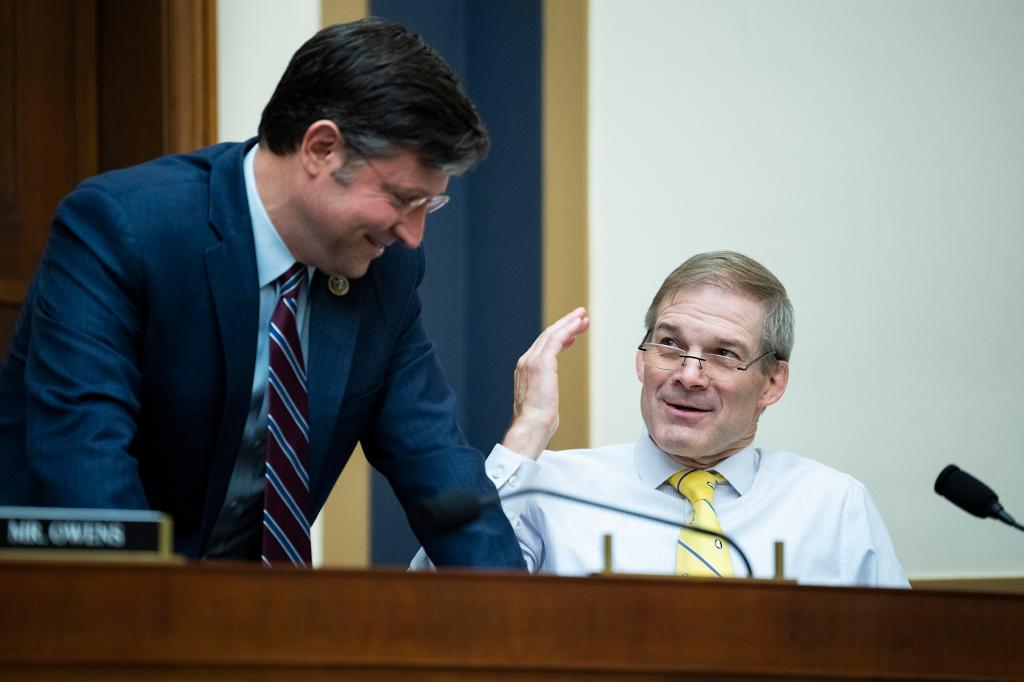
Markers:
<point>535,408</point>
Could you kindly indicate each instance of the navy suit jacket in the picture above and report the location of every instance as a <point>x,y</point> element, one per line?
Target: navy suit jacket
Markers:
<point>128,380</point>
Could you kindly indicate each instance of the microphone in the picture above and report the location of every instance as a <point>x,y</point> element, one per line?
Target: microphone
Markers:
<point>456,508</point>
<point>971,495</point>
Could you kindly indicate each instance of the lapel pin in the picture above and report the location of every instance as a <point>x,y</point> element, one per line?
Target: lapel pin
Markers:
<point>338,285</point>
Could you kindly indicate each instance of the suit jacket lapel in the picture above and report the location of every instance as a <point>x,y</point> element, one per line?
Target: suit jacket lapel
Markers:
<point>234,288</point>
<point>333,329</point>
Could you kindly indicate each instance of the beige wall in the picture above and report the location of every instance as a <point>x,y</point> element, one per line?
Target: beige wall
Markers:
<point>255,40</point>
<point>871,154</point>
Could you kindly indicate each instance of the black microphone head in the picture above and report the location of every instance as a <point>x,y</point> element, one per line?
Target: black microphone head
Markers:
<point>452,509</point>
<point>966,492</point>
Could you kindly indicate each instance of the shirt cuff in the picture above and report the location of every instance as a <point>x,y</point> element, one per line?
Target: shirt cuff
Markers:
<point>509,470</point>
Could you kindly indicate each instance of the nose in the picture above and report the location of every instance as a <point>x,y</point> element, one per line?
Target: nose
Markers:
<point>409,230</point>
<point>691,374</point>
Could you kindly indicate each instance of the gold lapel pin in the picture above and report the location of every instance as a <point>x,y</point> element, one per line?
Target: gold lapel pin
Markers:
<point>338,285</point>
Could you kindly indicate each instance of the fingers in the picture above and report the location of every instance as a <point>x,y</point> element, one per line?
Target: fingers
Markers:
<point>540,359</point>
<point>583,326</point>
<point>535,406</point>
<point>541,355</point>
<point>571,326</point>
<point>561,334</point>
<point>537,369</point>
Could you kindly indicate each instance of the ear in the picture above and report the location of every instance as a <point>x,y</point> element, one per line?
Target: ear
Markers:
<point>640,366</point>
<point>775,386</point>
<point>322,147</point>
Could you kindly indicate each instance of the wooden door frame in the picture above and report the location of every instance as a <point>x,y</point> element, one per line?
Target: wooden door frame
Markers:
<point>109,113</point>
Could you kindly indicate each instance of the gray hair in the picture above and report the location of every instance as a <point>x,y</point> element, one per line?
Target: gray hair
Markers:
<point>744,275</point>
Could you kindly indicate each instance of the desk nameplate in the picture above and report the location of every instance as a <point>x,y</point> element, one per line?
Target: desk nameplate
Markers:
<point>84,534</point>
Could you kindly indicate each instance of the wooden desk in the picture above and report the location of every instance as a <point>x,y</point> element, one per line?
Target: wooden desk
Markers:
<point>61,621</point>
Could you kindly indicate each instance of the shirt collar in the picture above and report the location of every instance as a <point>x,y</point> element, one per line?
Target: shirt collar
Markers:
<point>739,469</point>
<point>655,466</point>
<point>272,256</point>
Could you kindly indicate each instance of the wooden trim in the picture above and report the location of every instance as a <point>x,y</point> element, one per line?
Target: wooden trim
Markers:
<point>566,253</point>
<point>210,69</point>
<point>190,83</point>
<point>1014,585</point>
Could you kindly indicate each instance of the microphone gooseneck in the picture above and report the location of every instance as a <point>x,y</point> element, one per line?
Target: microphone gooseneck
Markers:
<point>456,508</point>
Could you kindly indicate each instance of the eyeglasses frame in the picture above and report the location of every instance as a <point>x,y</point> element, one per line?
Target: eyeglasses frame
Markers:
<point>406,206</point>
<point>700,361</point>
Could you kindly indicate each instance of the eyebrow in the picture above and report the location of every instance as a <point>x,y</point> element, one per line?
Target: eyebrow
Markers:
<point>715,341</point>
<point>413,192</point>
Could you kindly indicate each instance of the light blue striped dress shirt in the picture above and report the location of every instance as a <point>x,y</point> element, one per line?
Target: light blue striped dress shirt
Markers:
<point>832,531</point>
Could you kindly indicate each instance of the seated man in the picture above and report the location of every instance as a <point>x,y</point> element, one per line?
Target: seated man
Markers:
<point>715,355</point>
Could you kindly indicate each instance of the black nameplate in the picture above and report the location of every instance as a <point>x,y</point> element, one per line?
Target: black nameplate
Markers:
<point>102,533</point>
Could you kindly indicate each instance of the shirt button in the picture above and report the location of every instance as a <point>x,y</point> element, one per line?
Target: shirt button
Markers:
<point>497,471</point>
<point>513,482</point>
<point>233,505</point>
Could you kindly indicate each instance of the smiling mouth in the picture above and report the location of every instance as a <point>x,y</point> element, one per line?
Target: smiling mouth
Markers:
<point>687,409</point>
<point>379,245</point>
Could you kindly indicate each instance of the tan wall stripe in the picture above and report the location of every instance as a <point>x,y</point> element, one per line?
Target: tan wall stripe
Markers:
<point>346,515</point>
<point>565,269</point>
<point>342,11</point>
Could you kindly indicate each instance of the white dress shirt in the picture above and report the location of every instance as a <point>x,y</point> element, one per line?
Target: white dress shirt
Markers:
<point>831,529</point>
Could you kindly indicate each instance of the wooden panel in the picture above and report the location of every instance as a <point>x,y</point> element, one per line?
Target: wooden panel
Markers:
<point>131,82</point>
<point>91,85</point>
<point>8,316</point>
<point>47,143</point>
<point>9,218</point>
<point>157,78</point>
<point>233,622</point>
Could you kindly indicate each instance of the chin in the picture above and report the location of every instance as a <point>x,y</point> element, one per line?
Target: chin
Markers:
<point>676,437</point>
<point>674,446</point>
<point>353,271</point>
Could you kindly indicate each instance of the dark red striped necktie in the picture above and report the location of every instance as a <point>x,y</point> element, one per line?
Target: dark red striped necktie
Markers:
<point>286,502</point>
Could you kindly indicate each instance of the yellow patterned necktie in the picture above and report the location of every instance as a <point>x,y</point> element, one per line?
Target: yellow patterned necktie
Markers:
<point>698,554</point>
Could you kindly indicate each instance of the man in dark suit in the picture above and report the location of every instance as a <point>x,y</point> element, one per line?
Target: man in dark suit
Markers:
<point>139,376</point>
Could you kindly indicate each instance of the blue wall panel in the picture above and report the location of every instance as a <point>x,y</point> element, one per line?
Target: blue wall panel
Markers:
<point>482,292</point>
<point>504,269</point>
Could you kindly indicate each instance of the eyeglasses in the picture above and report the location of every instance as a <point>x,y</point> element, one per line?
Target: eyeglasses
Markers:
<point>714,366</point>
<point>405,204</point>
